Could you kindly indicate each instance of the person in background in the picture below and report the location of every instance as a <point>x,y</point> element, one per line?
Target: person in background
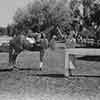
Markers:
<point>53,42</point>
<point>71,41</point>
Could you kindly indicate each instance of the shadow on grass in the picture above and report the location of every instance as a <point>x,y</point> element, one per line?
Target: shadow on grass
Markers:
<point>67,77</point>
<point>50,75</point>
<point>83,76</point>
<point>90,58</point>
<point>18,69</point>
<point>6,70</point>
<point>29,69</point>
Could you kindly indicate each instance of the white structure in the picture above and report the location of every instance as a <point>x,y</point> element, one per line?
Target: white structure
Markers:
<point>4,39</point>
<point>70,57</point>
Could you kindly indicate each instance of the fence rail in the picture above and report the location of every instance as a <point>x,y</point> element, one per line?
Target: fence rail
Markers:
<point>70,57</point>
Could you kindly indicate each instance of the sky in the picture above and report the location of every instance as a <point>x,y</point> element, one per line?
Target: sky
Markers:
<point>8,8</point>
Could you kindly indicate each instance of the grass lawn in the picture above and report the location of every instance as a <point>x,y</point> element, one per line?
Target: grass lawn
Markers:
<point>49,84</point>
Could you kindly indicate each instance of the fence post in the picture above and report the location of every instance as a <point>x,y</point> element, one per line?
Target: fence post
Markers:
<point>67,64</point>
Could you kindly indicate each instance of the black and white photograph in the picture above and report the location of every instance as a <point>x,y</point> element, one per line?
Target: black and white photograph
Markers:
<point>49,49</point>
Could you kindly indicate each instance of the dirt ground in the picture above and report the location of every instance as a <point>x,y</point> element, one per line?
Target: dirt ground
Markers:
<point>49,84</point>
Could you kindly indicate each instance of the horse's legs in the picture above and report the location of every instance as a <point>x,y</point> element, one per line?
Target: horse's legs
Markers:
<point>42,51</point>
<point>13,56</point>
<point>11,52</point>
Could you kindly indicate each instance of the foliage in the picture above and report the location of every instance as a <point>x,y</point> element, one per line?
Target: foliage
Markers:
<point>42,14</point>
<point>90,18</point>
<point>3,31</point>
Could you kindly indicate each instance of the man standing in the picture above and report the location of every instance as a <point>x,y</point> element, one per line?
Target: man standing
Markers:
<point>53,42</point>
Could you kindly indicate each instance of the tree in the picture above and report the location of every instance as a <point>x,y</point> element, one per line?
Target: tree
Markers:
<point>90,19</point>
<point>3,31</point>
<point>42,14</point>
